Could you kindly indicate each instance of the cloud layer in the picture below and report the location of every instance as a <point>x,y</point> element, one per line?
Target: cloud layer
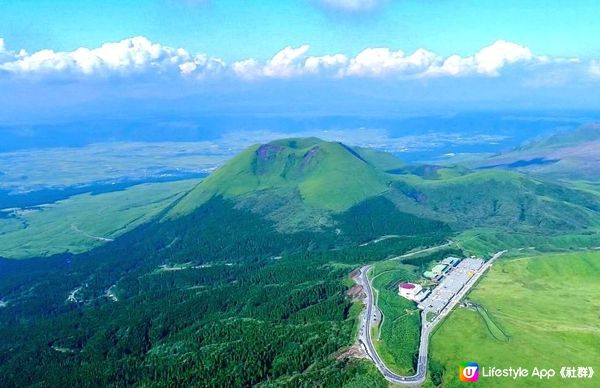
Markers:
<point>138,55</point>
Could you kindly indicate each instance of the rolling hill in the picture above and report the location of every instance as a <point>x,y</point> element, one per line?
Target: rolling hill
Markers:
<point>566,155</point>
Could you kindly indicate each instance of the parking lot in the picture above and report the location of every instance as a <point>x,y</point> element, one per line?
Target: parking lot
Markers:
<point>451,283</point>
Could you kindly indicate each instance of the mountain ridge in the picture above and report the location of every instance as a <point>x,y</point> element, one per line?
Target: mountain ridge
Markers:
<point>563,155</point>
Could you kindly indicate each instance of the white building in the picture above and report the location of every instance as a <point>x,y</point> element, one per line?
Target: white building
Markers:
<point>422,295</point>
<point>409,290</point>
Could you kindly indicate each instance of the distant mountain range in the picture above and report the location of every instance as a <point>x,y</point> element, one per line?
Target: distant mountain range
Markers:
<point>566,155</point>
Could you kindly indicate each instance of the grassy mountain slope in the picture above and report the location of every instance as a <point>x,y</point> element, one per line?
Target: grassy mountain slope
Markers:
<point>584,134</point>
<point>327,175</point>
<point>492,198</point>
<point>380,160</point>
<point>566,155</point>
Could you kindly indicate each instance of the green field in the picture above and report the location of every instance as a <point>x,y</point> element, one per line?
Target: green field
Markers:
<point>397,339</point>
<point>84,221</point>
<point>546,312</point>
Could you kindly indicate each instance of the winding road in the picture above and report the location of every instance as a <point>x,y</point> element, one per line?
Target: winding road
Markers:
<point>426,327</point>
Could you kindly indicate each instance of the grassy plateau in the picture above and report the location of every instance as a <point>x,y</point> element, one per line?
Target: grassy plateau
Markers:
<point>540,311</point>
<point>84,221</point>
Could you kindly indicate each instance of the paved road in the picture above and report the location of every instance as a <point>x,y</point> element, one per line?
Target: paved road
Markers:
<point>426,327</point>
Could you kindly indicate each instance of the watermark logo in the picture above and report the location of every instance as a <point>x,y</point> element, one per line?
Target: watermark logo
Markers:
<point>468,372</point>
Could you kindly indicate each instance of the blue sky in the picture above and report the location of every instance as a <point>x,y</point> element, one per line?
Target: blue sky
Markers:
<point>63,58</point>
<point>233,29</point>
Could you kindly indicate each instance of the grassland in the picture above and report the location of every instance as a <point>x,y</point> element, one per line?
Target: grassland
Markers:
<point>548,308</point>
<point>84,221</point>
<point>63,167</point>
<point>499,199</point>
<point>484,241</point>
<point>397,338</point>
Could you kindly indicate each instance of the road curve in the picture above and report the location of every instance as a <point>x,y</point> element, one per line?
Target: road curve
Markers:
<point>426,327</point>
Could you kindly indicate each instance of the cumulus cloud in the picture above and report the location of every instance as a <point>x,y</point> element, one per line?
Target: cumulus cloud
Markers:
<point>488,61</point>
<point>132,55</point>
<point>492,58</point>
<point>138,55</point>
<point>382,62</point>
<point>285,63</point>
<point>202,65</point>
<point>316,65</point>
<point>288,62</point>
<point>376,62</point>
<point>247,68</point>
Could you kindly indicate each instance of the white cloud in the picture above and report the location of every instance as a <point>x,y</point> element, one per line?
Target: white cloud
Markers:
<point>492,58</point>
<point>376,62</point>
<point>202,65</point>
<point>351,5</point>
<point>488,61</point>
<point>286,62</point>
<point>132,55</point>
<point>315,65</point>
<point>247,68</point>
<point>138,55</point>
<point>383,62</point>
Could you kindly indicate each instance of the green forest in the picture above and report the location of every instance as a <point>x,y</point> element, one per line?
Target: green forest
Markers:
<point>215,298</point>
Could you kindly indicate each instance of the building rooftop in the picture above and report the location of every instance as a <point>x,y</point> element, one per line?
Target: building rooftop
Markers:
<point>450,260</point>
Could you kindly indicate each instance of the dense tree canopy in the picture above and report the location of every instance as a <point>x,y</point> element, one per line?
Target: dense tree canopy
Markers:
<point>215,298</point>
